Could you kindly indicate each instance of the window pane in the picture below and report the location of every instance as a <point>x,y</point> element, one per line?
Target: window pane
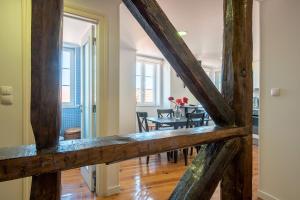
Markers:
<point>66,59</point>
<point>139,68</point>
<point>66,77</point>
<point>138,86</point>
<point>138,95</point>
<point>149,69</point>
<point>66,94</point>
<point>149,96</point>
<point>149,83</point>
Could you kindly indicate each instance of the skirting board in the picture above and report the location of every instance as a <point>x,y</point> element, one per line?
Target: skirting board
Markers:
<point>265,196</point>
<point>113,190</point>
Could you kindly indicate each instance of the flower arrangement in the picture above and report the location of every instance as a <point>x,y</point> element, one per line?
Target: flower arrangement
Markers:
<point>179,102</point>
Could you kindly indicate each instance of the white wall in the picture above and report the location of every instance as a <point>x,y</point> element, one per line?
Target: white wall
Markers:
<point>127,90</point>
<point>127,74</point>
<point>74,30</point>
<point>279,122</point>
<point>11,75</point>
<point>178,90</point>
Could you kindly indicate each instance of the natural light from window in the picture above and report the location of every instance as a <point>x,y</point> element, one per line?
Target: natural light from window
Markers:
<point>68,61</point>
<point>146,82</point>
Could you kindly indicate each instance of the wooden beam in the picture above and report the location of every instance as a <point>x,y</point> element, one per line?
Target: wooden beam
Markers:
<point>25,161</point>
<point>204,174</point>
<point>46,41</point>
<point>237,90</point>
<point>45,71</point>
<point>46,186</point>
<point>165,36</point>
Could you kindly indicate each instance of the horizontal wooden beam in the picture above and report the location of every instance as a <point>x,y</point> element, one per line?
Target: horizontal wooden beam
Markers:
<point>159,28</point>
<point>203,175</point>
<point>25,161</point>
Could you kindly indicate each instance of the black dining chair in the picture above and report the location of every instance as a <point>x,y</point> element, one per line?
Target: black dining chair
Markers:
<point>191,123</point>
<point>161,113</point>
<point>143,125</point>
<point>206,117</point>
<point>142,121</point>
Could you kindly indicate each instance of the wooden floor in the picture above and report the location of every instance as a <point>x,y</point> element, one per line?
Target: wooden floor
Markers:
<point>139,181</point>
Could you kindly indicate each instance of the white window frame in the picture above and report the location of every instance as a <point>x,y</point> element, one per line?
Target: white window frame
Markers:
<point>72,102</point>
<point>156,82</point>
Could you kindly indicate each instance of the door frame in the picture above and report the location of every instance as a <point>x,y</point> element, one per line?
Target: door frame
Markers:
<point>101,81</point>
<point>101,78</point>
<point>87,77</point>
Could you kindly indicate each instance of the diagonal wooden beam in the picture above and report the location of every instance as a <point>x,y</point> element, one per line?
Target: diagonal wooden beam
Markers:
<point>203,175</point>
<point>46,44</point>
<point>237,90</point>
<point>157,25</point>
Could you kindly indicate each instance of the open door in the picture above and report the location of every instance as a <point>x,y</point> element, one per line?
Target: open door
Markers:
<point>88,98</point>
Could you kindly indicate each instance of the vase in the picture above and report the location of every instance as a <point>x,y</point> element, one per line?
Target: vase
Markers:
<point>177,112</point>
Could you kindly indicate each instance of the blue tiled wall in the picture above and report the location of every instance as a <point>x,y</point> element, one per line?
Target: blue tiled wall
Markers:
<point>71,116</point>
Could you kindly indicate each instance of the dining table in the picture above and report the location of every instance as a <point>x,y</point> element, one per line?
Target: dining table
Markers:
<point>170,121</point>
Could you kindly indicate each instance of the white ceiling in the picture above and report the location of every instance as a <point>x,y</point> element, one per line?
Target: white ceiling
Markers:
<point>202,19</point>
<point>74,30</point>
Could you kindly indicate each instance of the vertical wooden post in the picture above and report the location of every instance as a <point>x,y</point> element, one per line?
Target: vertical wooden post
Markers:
<point>237,89</point>
<point>45,88</point>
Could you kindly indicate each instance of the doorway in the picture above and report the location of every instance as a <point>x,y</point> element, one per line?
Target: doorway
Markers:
<point>78,74</point>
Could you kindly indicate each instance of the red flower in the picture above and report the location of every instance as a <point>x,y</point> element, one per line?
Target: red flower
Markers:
<point>171,98</point>
<point>185,100</point>
<point>182,104</point>
<point>179,101</point>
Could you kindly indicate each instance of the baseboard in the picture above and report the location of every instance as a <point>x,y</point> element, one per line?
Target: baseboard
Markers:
<point>265,196</point>
<point>113,190</point>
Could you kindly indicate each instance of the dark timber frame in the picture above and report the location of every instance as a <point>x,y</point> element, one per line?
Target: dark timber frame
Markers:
<point>227,153</point>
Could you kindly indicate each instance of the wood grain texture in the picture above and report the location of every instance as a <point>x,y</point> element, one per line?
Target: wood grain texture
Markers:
<point>26,161</point>
<point>46,41</point>
<point>237,88</point>
<point>46,186</point>
<point>157,25</point>
<point>204,174</point>
<point>45,71</point>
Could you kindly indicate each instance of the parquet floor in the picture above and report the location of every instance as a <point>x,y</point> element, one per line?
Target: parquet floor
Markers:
<point>139,181</point>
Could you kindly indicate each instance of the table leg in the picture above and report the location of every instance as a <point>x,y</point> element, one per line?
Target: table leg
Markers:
<point>185,154</point>
<point>175,156</point>
<point>157,125</point>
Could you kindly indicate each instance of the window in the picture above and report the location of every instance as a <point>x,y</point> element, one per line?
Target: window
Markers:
<point>147,81</point>
<point>68,76</point>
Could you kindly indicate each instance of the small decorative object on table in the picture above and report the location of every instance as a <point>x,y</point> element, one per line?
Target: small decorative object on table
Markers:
<point>178,103</point>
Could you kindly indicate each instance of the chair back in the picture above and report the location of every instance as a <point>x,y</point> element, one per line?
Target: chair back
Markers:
<point>190,123</point>
<point>161,113</point>
<point>142,121</point>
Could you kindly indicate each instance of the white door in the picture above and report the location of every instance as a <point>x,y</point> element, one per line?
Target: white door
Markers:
<point>88,99</point>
